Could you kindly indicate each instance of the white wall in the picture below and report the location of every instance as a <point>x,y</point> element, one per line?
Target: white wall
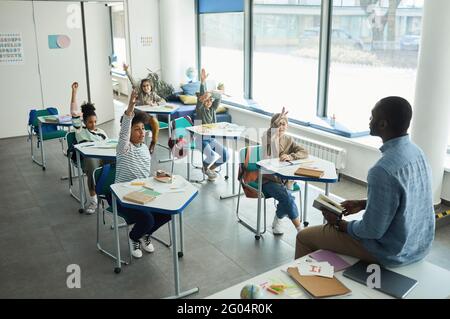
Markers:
<point>178,47</point>
<point>60,67</point>
<point>142,20</point>
<point>20,88</point>
<point>98,42</point>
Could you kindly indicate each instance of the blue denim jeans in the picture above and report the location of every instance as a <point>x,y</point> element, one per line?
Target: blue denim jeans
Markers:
<point>286,201</point>
<point>211,146</point>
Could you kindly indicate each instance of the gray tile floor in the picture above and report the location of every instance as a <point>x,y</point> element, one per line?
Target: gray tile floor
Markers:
<point>41,233</point>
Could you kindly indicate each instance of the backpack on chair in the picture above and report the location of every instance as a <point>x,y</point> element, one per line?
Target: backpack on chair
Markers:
<point>247,176</point>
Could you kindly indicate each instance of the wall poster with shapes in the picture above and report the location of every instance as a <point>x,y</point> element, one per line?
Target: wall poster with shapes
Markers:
<point>11,48</point>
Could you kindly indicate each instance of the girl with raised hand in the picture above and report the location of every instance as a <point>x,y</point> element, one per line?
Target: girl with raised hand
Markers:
<point>86,130</point>
<point>277,144</point>
<point>146,96</point>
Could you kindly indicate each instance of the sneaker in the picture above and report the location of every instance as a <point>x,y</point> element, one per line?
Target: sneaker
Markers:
<point>276,226</point>
<point>146,244</point>
<point>211,174</point>
<point>136,251</point>
<point>92,207</point>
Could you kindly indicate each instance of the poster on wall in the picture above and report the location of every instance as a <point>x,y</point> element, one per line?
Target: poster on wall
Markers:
<point>58,41</point>
<point>11,48</point>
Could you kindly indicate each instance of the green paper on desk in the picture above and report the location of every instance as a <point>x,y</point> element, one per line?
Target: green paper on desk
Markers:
<point>149,192</point>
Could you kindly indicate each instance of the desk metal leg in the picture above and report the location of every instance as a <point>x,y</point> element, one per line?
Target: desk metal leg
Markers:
<point>41,142</point>
<point>233,167</point>
<point>178,294</point>
<point>305,206</point>
<point>169,131</point>
<point>42,146</point>
<point>80,182</point>
<point>258,217</point>
<point>327,192</point>
<point>189,160</point>
<point>181,252</point>
<point>118,268</point>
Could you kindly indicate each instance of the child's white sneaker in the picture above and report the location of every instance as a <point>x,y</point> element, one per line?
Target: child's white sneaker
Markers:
<point>276,226</point>
<point>146,244</point>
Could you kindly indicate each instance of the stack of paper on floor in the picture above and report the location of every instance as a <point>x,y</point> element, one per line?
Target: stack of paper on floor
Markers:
<point>309,172</point>
<point>324,202</point>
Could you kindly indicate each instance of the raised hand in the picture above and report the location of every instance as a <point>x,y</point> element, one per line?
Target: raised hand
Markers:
<point>203,76</point>
<point>125,67</point>
<point>132,103</point>
<point>75,86</point>
<point>133,97</point>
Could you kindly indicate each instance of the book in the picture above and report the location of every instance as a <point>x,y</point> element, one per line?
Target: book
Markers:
<point>309,172</point>
<point>138,197</point>
<point>323,202</point>
<point>391,283</point>
<point>319,287</point>
<point>50,118</point>
<point>162,176</point>
<point>325,255</point>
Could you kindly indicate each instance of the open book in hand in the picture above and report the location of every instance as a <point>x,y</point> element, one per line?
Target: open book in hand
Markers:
<point>323,202</point>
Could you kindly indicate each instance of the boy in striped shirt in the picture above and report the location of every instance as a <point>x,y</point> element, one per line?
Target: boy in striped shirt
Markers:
<point>133,161</point>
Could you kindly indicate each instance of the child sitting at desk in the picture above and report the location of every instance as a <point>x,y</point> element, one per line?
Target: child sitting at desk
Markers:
<point>207,104</point>
<point>275,143</point>
<point>147,97</point>
<point>88,133</point>
<point>133,161</point>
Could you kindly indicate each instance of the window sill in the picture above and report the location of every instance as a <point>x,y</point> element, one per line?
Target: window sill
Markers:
<point>249,107</point>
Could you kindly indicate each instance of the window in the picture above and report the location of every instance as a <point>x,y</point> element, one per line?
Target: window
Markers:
<point>285,56</point>
<point>119,42</point>
<point>374,54</point>
<point>222,53</point>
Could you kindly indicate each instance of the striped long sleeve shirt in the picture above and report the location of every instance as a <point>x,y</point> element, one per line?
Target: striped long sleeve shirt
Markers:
<point>133,161</point>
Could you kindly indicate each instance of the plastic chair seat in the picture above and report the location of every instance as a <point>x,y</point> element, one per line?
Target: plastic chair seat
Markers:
<point>54,134</point>
<point>163,125</point>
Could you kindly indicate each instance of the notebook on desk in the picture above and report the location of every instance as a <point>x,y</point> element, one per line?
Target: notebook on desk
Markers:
<point>309,172</point>
<point>391,283</point>
<point>319,287</point>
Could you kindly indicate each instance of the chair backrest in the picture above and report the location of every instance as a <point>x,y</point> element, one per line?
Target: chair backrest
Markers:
<point>248,170</point>
<point>71,141</point>
<point>33,121</point>
<point>254,157</point>
<point>178,143</point>
<point>104,177</point>
<point>179,126</point>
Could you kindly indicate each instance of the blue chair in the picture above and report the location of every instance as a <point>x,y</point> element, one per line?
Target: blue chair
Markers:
<point>104,177</point>
<point>72,163</point>
<point>179,130</point>
<point>49,132</point>
<point>252,186</point>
